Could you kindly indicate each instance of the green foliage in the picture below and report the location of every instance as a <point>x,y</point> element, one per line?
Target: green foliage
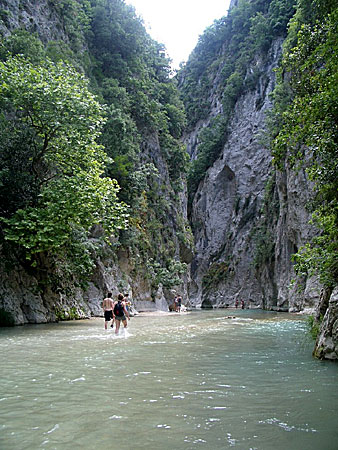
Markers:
<point>73,263</point>
<point>5,15</point>
<point>263,233</point>
<point>319,257</point>
<point>217,273</point>
<point>58,166</point>
<point>62,313</point>
<point>314,326</point>
<point>24,43</point>
<point>75,17</point>
<point>260,32</point>
<point>228,46</point>
<point>51,104</point>
<point>212,141</point>
<point>305,129</point>
<point>168,276</point>
<point>264,246</point>
<point>133,79</point>
<point>132,76</point>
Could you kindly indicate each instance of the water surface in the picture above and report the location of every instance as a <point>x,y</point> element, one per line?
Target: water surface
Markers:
<point>181,381</point>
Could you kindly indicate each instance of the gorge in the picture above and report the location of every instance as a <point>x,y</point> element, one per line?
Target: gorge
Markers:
<point>218,193</point>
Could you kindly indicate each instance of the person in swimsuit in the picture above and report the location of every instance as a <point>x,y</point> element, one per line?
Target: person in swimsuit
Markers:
<point>179,303</point>
<point>176,303</point>
<point>120,313</point>
<point>127,302</point>
<point>107,307</point>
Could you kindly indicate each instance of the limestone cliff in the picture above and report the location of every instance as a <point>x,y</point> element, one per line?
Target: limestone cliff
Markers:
<point>227,211</point>
<point>248,219</point>
<point>326,346</point>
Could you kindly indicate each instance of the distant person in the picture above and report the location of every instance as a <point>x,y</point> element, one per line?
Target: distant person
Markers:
<point>127,302</point>
<point>130,306</point>
<point>179,303</point>
<point>175,303</point>
<point>107,306</point>
<point>236,303</point>
<point>242,304</point>
<point>120,313</point>
<point>172,306</point>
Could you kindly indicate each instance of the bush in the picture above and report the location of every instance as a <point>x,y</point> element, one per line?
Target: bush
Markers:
<point>314,326</point>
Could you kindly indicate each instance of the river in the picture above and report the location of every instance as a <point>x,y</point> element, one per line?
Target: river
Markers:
<point>198,380</point>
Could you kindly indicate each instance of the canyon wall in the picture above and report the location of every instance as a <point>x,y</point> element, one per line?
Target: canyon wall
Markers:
<point>230,209</point>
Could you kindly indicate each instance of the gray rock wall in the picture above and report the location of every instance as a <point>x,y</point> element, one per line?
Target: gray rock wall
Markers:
<point>227,210</point>
<point>327,341</point>
<point>35,16</point>
<point>292,232</point>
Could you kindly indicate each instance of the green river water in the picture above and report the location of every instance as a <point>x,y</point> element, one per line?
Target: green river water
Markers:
<point>197,380</point>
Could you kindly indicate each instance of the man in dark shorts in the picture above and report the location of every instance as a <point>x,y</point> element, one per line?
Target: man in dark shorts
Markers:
<point>120,313</point>
<point>107,306</point>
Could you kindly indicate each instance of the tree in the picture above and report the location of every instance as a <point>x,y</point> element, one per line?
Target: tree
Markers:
<point>307,135</point>
<point>51,120</point>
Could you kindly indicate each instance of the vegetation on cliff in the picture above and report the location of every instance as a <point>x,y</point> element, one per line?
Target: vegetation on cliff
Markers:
<point>304,126</point>
<point>90,122</point>
<point>52,166</point>
<point>223,64</point>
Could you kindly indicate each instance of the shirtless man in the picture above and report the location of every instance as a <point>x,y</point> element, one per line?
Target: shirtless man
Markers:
<point>107,307</point>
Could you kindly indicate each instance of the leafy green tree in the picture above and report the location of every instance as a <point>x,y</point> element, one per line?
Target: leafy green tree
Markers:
<point>130,74</point>
<point>307,130</point>
<point>24,43</point>
<point>49,111</point>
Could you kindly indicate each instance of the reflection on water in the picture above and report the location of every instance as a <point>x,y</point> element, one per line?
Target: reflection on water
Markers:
<point>196,380</point>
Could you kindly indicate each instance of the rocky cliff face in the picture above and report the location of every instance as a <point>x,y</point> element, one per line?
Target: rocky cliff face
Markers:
<point>34,16</point>
<point>232,228</point>
<point>327,341</point>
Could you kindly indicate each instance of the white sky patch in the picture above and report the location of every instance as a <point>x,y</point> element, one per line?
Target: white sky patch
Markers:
<point>178,23</point>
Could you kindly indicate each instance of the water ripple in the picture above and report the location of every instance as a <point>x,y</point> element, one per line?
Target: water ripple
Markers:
<point>202,379</point>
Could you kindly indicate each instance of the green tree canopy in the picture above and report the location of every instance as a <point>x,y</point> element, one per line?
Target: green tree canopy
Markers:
<point>51,121</point>
<point>306,128</point>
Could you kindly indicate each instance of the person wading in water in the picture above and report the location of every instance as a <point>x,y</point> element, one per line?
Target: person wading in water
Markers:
<point>107,307</point>
<point>120,313</point>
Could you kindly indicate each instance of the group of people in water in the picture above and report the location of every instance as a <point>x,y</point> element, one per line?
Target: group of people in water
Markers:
<point>177,303</point>
<point>117,311</point>
<point>242,304</point>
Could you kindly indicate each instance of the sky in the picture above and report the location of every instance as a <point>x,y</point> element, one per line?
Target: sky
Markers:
<point>178,23</point>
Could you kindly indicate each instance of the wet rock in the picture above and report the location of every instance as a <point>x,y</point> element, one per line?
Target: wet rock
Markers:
<point>327,342</point>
